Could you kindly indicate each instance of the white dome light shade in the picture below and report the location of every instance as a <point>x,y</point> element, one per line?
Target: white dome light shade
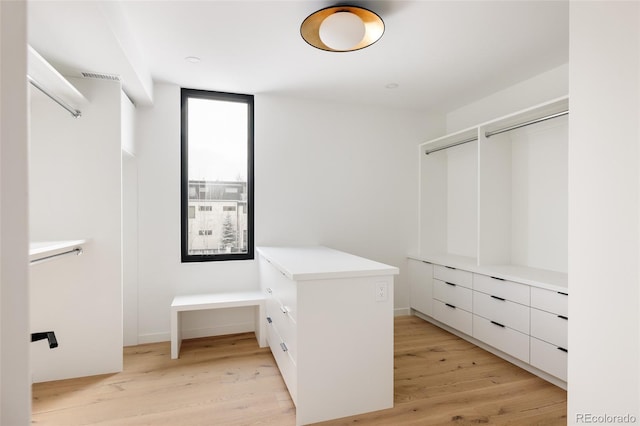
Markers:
<point>342,30</point>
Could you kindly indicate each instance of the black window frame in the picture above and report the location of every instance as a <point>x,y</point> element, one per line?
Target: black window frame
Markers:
<point>185,95</point>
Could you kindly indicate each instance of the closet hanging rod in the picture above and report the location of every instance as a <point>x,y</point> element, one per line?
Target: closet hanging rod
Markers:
<point>503,130</point>
<point>526,123</point>
<point>475,138</point>
<point>77,251</point>
<point>60,102</point>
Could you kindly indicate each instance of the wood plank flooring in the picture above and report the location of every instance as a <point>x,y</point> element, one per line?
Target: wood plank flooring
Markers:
<point>228,380</point>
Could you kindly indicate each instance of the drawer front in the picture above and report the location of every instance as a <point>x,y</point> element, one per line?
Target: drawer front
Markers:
<point>549,327</point>
<point>286,329</point>
<point>502,288</point>
<point>453,317</point>
<point>278,286</point>
<point>550,301</point>
<point>421,286</point>
<point>453,294</point>
<point>503,338</point>
<point>511,314</point>
<point>286,365</point>
<point>455,276</point>
<point>549,358</point>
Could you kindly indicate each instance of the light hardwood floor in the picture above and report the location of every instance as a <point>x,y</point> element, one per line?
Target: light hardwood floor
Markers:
<point>229,380</point>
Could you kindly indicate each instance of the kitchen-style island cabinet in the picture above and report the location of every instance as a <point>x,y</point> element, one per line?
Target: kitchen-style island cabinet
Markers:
<point>330,329</point>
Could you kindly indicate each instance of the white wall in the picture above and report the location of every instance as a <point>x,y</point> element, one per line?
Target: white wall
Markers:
<point>604,209</point>
<point>15,384</point>
<point>75,192</point>
<point>536,90</point>
<point>331,174</point>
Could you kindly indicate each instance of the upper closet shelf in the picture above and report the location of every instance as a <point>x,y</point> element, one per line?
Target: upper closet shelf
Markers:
<point>42,251</point>
<point>548,110</point>
<point>49,81</point>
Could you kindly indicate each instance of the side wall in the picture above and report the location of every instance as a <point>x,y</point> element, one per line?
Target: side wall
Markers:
<point>75,193</point>
<point>15,384</point>
<point>332,174</point>
<point>604,210</point>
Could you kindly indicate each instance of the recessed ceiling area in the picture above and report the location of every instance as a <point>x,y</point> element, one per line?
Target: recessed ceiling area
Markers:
<point>440,54</point>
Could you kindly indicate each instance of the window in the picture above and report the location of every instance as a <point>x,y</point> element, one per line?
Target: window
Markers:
<point>217,166</point>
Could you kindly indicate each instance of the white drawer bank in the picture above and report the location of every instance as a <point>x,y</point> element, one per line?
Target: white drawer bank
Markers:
<point>330,329</point>
<point>517,313</point>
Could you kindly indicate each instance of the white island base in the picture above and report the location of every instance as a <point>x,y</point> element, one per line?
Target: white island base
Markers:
<point>330,329</point>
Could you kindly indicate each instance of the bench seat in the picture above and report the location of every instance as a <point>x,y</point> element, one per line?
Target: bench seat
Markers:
<point>198,302</point>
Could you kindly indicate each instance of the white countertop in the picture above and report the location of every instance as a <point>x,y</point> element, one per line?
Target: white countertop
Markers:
<point>551,280</point>
<point>317,262</point>
<point>43,249</point>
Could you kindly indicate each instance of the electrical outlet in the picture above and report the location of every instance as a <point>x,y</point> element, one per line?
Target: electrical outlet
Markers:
<point>382,292</point>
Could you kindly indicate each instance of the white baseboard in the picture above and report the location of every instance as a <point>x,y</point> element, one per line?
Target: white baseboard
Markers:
<point>195,333</point>
<point>398,312</point>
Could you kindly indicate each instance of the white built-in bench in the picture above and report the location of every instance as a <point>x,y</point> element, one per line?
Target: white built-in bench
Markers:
<point>199,302</point>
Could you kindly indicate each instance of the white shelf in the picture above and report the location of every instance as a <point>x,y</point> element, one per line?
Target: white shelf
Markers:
<point>41,250</point>
<point>542,278</point>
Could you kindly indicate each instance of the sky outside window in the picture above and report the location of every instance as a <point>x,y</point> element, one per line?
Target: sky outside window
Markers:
<point>217,140</point>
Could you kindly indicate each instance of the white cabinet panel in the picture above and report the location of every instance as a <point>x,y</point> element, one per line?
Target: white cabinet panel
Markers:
<point>503,338</point>
<point>453,317</point>
<point>508,290</point>
<point>549,327</point>
<point>453,294</point>
<point>421,286</point>
<point>502,311</point>
<point>452,275</point>
<point>549,358</point>
<point>550,301</point>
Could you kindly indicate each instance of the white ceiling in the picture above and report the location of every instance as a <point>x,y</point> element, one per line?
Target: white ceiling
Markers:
<point>442,54</point>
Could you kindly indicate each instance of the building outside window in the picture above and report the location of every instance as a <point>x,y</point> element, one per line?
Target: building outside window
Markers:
<point>217,176</point>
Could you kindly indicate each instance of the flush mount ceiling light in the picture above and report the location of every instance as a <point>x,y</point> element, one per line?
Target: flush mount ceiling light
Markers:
<point>342,28</point>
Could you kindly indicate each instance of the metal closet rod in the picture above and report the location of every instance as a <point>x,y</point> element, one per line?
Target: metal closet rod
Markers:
<point>503,130</point>
<point>77,251</point>
<point>60,102</point>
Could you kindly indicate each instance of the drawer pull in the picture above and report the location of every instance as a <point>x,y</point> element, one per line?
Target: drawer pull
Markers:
<point>449,305</point>
<point>499,279</point>
<point>497,298</point>
<point>450,267</point>
<point>284,310</point>
<point>563,349</point>
<point>497,323</point>
<point>269,320</point>
<point>451,284</point>
<point>269,290</point>
<point>563,317</point>
<point>284,347</point>
<point>562,293</point>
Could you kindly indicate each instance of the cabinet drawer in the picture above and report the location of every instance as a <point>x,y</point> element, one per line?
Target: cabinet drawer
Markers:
<point>505,312</point>
<point>286,365</point>
<point>453,294</point>
<point>454,276</point>
<point>549,327</point>
<point>549,358</point>
<point>286,329</point>
<point>421,286</point>
<point>550,301</point>
<point>502,288</point>
<point>277,286</point>
<point>453,317</point>
<point>503,338</point>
